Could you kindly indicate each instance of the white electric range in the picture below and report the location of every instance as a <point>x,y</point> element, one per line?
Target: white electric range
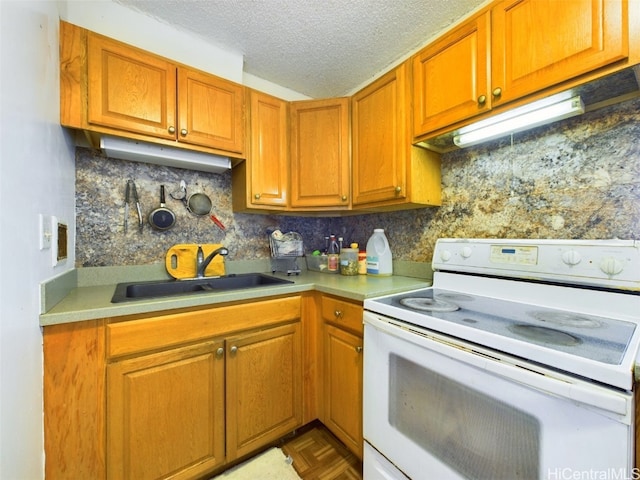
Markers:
<point>539,326</point>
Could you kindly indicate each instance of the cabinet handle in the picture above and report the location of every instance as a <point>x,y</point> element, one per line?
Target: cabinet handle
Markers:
<point>257,196</point>
<point>219,352</point>
<point>358,349</point>
<point>344,198</point>
<point>172,129</point>
<point>183,132</point>
<point>398,189</point>
<point>482,99</point>
<point>497,92</point>
<point>233,349</point>
<point>338,313</point>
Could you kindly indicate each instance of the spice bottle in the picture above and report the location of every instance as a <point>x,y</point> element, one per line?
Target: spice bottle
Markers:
<point>333,262</point>
<point>362,262</point>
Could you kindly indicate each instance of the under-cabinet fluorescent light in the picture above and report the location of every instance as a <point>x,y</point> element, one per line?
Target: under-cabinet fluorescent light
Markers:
<point>137,151</point>
<point>529,116</point>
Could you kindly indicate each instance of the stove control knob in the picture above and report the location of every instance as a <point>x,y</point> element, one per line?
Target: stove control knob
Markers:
<point>445,255</point>
<point>571,257</point>
<point>466,252</point>
<point>611,266</point>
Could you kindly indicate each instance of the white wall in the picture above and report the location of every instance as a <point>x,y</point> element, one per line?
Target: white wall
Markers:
<point>36,176</point>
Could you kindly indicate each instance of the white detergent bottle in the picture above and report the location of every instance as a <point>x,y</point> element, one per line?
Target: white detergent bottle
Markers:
<point>379,259</point>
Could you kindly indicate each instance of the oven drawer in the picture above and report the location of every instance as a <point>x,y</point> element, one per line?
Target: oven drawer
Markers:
<point>342,313</point>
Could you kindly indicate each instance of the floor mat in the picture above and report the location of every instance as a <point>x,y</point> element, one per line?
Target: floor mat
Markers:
<point>270,465</point>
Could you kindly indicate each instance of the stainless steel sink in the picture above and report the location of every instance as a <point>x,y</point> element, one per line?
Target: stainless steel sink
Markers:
<point>166,288</point>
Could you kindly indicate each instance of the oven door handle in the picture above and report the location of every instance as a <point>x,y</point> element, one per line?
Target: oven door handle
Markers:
<point>593,396</point>
<point>596,397</point>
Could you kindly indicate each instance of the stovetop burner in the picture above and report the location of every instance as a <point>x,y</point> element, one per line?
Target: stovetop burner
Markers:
<point>545,335</point>
<point>566,319</point>
<point>427,304</point>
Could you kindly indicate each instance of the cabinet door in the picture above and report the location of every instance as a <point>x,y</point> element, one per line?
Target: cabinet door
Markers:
<point>536,44</point>
<point>130,89</point>
<point>268,162</point>
<point>451,77</point>
<point>264,387</point>
<point>165,413</point>
<point>211,111</point>
<point>320,153</point>
<point>380,140</point>
<point>343,386</point>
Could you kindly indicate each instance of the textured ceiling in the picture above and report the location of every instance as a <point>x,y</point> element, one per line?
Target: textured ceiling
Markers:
<point>320,48</point>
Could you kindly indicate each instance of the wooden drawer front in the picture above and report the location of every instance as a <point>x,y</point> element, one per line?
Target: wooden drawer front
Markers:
<point>163,331</point>
<point>342,313</point>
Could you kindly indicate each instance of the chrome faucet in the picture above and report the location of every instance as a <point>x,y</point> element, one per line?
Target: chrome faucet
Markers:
<point>202,263</point>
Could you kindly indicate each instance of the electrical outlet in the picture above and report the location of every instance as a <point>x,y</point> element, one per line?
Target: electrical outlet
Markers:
<point>60,241</point>
<point>45,232</point>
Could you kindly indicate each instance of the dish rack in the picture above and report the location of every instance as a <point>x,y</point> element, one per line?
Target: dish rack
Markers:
<point>285,250</point>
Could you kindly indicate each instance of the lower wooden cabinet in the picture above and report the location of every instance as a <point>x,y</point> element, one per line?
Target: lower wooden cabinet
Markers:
<point>264,387</point>
<point>165,413</point>
<point>342,366</point>
<point>177,395</point>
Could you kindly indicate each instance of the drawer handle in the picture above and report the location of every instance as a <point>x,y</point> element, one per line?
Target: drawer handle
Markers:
<point>358,349</point>
<point>219,352</point>
<point>338,313</point>
<point>233,349</point>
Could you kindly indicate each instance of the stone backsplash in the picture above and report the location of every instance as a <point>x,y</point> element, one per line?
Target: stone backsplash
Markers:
<point>577,179</point>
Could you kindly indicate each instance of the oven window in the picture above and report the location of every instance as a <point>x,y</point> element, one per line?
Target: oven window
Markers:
<point>476,435</point>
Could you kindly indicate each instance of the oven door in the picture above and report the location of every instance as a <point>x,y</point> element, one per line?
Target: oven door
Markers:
<point>439,409</point>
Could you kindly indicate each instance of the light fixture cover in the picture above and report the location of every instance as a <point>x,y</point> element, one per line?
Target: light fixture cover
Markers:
<point>137,151</point>
<point>519,119</point>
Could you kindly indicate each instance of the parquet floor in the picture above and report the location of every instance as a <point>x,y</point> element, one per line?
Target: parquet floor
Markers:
<point>318,455</point>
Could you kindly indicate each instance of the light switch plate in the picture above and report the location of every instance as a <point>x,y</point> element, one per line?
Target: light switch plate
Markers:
<point>45,232</point>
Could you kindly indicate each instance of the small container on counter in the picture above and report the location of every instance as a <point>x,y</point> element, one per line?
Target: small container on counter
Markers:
<point>333,254</point>
<point>349,260</point>
<point>362,262</point>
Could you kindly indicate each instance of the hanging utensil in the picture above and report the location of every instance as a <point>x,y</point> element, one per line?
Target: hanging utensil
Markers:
<point>126,208</point>
<point>138,207</point>
<point>162,218</point>
<point>197,203</point>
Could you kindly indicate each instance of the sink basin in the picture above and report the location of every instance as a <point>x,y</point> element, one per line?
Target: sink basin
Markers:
<point>166,288</point>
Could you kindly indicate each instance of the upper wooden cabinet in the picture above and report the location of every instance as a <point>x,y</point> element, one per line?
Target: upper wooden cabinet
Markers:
<point>320,154</point>
<point>450,76</point>
<point>111,87</point>
<point>261,182</point>
<point>388,172</point>
<point>536,44</point>
<point>210,111</point>
<point>514,49</point>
